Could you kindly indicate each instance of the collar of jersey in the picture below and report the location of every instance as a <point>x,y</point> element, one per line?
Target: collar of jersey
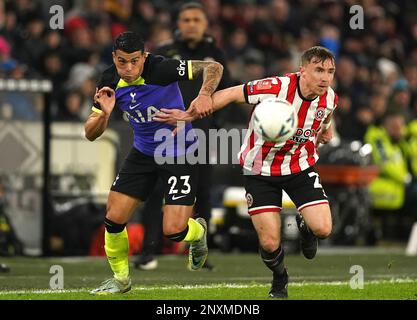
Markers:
<point>139,81</point>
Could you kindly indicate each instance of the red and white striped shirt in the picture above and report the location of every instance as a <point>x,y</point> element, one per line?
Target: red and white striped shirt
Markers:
<point>298,153</point>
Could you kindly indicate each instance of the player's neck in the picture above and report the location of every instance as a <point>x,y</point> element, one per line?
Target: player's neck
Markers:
<point>304,91</point>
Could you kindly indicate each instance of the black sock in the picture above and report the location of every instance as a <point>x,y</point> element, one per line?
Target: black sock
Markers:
<point>113,227</point>
<point>273,260</point>
<point>178,237</point>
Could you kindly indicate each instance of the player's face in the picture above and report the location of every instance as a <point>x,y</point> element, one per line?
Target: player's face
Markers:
<point>318,75</point>
<point>129,65</point>
<point>192,24</point>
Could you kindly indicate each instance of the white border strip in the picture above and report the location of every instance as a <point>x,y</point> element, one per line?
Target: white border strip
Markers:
<point>264,207</point>
<point>312,203</point>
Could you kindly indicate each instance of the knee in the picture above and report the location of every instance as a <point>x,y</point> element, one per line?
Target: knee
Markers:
<point>269,244</point>
<point>323,231</point>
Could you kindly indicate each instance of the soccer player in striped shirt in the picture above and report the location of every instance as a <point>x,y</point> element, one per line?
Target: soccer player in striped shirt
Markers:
<point>271,167</point>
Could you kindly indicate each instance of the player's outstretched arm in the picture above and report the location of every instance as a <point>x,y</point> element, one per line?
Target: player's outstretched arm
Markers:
<point>98,120</point>
<point>220,98</point>
<point>226,96</point>
<point>212,73</point>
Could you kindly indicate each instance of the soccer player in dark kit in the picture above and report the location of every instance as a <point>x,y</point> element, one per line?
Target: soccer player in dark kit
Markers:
<point>140,84</point>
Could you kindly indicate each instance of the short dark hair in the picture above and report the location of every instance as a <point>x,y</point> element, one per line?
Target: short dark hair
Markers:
<point>320,53</point>
<point>129,42</point>
<point>191,5</point>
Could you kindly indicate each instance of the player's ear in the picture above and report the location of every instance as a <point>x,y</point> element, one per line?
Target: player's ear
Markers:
<point>113,54</point>
<point>302,69</point>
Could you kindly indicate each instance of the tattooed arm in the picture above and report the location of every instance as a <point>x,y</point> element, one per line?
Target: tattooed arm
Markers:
<point>212,73</point>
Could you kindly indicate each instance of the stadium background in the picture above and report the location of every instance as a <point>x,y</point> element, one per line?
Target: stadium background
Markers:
<point>376,71</point>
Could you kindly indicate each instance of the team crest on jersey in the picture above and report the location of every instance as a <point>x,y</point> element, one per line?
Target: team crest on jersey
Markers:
<point>249,199</point>
<point>251,87</point>
<point>264,85</point>
<point>320,113</point>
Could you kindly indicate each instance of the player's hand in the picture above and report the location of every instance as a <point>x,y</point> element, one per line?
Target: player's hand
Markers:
<point>324,136</point>
<point>174,117</point>
<point>202,106</point>
<point>106,97</point>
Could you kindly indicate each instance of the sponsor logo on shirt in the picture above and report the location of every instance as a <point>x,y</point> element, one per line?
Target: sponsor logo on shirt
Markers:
<point>181,68</point>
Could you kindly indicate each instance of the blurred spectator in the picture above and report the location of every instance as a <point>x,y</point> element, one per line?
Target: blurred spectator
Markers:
<point>30,46</point>
<point>103,43</point>
<point>92,11</point>
<point>82,77</point>
<point>401,99</point>
<point>306,39</point>
<point>119,10</point>
<point>80,40</point>
<point>253,66</point>
<point>8,22</point>
<point>238,44</point>
<point>378,106</point>
<point>410,74</point>
<point>388,190</point>
<point>7,63</point>
<point>213,10</point>
<point>282,64</point>
<point>53,68</point>
<point>330,38</point>
<point>70,107</point>
<point>143,17</point>
<point>160,35</point>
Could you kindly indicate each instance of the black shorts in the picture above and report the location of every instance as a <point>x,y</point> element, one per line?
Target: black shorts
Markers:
<point>139,174</point>
<point>264,194</point>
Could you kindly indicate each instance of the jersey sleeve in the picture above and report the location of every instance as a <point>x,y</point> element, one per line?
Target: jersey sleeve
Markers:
<point>257,90</point>
<point>336,101</point>
<point>163,71</point>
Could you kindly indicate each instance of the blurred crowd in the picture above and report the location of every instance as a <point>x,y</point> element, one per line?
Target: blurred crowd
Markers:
<point>376,66</point>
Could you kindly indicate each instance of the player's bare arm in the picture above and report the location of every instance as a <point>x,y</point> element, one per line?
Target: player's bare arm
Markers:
<point>212,73</point>
<point>97,122</point>
<point>221,99</point>
<point>224,97</point>
<point>326,132</point>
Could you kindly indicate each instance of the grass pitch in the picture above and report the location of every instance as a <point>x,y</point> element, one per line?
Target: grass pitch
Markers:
<point>236,277</point>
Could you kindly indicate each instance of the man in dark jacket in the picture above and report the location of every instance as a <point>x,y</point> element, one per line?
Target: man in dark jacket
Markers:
<point>190,42</point>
